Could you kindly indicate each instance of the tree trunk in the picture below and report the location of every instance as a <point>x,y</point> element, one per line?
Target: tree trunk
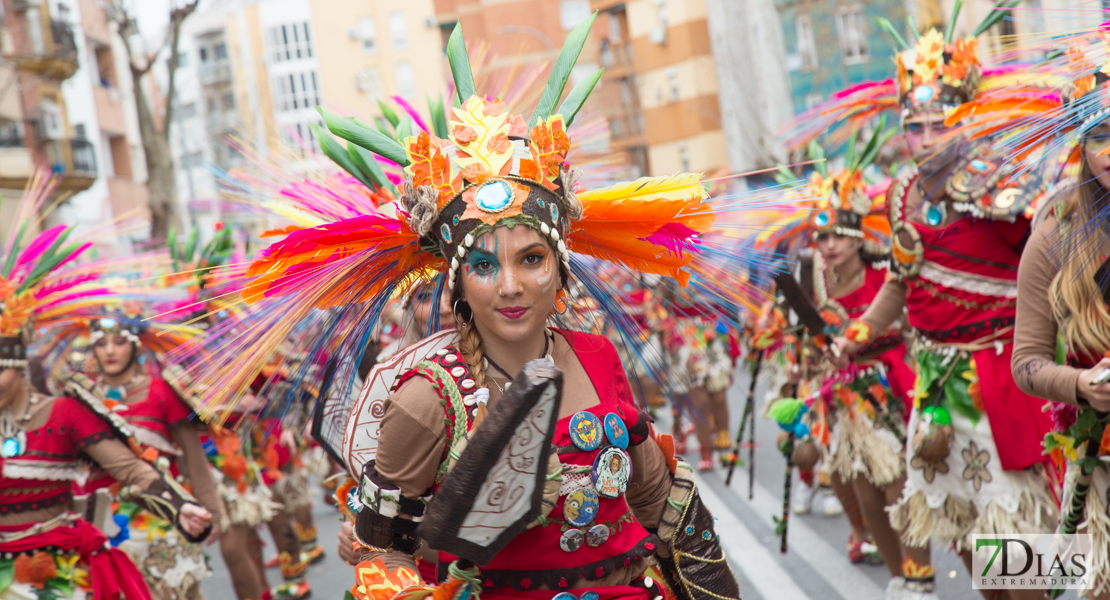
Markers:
<point>161,180</point>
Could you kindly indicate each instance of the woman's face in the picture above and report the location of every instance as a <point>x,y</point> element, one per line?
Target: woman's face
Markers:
<point>838,249</point>
<point>11,380</point>
<point>510,278</point>
<point>1096,149</point>
<point>923,132</point>
<point>423,303</point>
<point>113,352</point>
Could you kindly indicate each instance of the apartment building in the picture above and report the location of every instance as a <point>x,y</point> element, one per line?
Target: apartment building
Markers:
<point>40,51</point>
<point>101,109</point>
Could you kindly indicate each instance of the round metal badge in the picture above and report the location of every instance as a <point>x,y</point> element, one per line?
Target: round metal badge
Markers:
<point>580,507</point>
<point>615,431</point>
<point>572,540</point>
<point>585,431</point>
<point>611,471</point>
<point>597,535</point>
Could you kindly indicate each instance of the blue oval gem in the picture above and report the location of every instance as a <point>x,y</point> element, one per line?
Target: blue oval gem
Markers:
<point>108,323</point>
<point>445,233</point>
<point>616,431</point>
<point>585,431</point>
<point>11,448</point>
<point>590,595</point>
<point>978,166</point>
<point>923,93</point>
<point>821,219</point>
<point>565,596</point>
<point>934,215</point>
<point>494,196</point>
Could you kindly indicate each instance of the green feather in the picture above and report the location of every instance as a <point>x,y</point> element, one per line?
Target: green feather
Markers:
<point>333,150</point>
<point>577,97</point>
<point>368,166</point>
<point>171,241</point>
<point>784,176</point>
<point>1001,11</point>
<point>560,73</point>
<point>913,27</point>
<point>951,28</point>
<point>373,140</point>
<point>871,150</point>
<point>49,260</point>
<point>817,153</point>
<point>460,66</point>
<point>405,129</point>
<point>893,33</point>
<point>191,245</point>
<point>389,113</point>
<point>883,136</point>
<point>850,152</point>
<point>439,118</point>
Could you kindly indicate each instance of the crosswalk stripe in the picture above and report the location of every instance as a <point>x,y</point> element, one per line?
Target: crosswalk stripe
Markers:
<point>747,553</point>
<point>831,565</point>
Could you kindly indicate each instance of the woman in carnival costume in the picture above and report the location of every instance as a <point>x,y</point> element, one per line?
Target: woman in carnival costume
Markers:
<point>127,377</point>
<point>1061,340</point>
<point>958,228</point>
<point>493,207</point>
<point>868,403</point>
<point>49,550</point>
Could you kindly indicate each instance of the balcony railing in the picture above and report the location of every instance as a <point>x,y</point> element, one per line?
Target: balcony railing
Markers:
<point>55,57</point>
<point>11,135</point>
<point>215,72</point>
<point>71,158</point>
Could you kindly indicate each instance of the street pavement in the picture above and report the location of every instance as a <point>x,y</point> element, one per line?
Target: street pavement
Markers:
<point>815,566</point>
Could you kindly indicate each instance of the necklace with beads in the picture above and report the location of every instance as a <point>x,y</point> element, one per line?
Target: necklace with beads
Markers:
<point>12,434</point>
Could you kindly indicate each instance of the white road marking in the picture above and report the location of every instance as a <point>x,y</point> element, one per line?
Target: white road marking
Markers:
<point>758,564</point>
<point>831,564</point>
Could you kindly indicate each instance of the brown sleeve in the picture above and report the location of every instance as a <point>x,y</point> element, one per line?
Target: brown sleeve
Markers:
<point>887,306</point>
<point>650,484</point>
<point>200,478</point>
<point>412,437</point>
<point>1034,361</point>
<point>117,459</point>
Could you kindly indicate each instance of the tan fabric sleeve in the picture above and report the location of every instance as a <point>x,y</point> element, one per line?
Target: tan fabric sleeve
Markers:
<point>887,307</point>
<point>200,478</point>
<point>650,484</point>
<point>117,459</point>
<point>1034,361</point>
<point>412,437</point>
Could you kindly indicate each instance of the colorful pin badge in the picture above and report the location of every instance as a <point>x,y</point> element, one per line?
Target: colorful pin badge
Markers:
<point>611,471</point>
<point>615,430</point>
<point>580,507</point>
<point>585,431</point>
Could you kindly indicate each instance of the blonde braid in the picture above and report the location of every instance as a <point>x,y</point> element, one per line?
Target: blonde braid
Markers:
<point>470,344</point>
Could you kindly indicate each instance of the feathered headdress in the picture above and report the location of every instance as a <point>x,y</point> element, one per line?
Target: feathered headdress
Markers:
<point>33,285</point>
<point>840,201</point>
<point>492,167</point>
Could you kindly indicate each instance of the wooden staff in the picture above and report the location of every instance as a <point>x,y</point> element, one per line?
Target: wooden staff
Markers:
<point>749,415</point>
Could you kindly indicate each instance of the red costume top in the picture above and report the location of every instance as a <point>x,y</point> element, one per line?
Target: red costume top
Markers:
<point>961,287</point>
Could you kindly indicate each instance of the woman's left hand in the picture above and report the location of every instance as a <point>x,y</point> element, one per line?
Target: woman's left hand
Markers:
<point>194,519</point>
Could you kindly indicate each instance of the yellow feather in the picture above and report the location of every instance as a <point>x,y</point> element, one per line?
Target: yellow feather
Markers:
<point>683,185</point>
<point>295,215</point>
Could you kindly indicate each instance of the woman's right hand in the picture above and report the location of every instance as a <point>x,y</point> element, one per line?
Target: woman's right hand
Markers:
<point>346,546</point>
<point>847,348</point>
<point>1098,395</point>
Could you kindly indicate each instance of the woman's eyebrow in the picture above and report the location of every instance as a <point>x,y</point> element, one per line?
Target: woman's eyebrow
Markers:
<point>531,247</point>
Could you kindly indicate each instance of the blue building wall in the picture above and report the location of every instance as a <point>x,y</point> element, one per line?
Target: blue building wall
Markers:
<point>813,83</point>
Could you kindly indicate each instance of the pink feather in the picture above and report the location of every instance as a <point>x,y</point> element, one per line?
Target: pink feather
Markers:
<point>675,237</point>
<point>39,245</point>
<point>411,112</point>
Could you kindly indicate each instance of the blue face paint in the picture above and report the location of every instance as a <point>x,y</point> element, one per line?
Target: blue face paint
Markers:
<point>482,264</point>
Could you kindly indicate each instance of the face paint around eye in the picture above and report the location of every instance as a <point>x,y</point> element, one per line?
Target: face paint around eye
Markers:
<point>482,264</point>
